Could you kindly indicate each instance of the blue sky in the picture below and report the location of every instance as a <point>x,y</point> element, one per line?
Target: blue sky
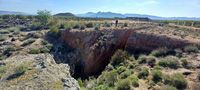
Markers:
<point>165,8</point>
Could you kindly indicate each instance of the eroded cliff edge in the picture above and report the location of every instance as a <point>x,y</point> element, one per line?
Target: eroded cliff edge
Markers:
<point>95,48</point>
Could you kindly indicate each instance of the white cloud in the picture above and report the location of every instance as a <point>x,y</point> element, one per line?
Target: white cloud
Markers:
<point>196,4</point>
<point>148,2</point>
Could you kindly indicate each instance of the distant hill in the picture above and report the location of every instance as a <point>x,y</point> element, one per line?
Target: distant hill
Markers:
<point>65,15</point>
<point>112,15</point>
<point>13,13</point>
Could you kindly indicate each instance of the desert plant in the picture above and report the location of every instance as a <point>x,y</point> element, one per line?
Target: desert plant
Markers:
<point>178,81</point>
<point>121,69</point>
<point>151,61</point>
<point>125,74</point>
<point>96,28</point>
<point>2,71</point>
<point>198,75</point>
<point>21,69</point>
<point>160,52</point>
<point>89,25</point>
<point>112,77</point>
<point>144,73</point>
<point>82,27</point>
<point>184,61</point>
<point>157,75</point>
<point>124,84</point>
<point>134,80</point>
<point>118,57</point>
<point>4,32</point>
<point>142,59</point>
<point>157,67</point>
<point>191,49</point>
<point>54,31</point>
<point>43,16</point>
<point>167,87</point>
<point>169,62</point>
<point>28,42</point>
<point>76,26</point>
<point>44,49</point>
<point>80,82</point>
<point>34,51</point>
<point>2,39</point>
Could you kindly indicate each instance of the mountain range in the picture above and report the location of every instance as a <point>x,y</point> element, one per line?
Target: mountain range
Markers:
<point>110,15</point>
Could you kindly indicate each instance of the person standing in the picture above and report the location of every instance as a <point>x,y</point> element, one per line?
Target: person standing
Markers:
<point>116,23</point>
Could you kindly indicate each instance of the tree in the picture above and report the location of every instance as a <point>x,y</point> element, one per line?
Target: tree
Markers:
<point>43,16</point>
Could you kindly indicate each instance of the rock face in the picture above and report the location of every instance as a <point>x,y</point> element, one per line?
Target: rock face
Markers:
<point>42,74</point>
<point>97,47</point>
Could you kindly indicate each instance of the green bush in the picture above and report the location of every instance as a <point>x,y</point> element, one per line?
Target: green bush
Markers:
<point>142,59</point>
<point>89,25</point>
<point>167,87</point>
<point>131,66</point>
<point>2,71</point>
<point>160,52</point>
<point>121,69</point>
<point>76,26</point>
<point>118,57</point>
<point>198,75</point>
<point>82,27</point>
<point>44,49</point>
<point>112,77</point>
<point>4,32</point>
<point>134,80</point>
<point>68,29</point>
<point>191,49</point>
<point>2,39</point>
<point>125,74</point>
<point>169,62</point>
<point>151,61</point>
<point>178,81</point>
<point>28,42</point>
<point>157,75</point>
<point>54,31</point>
<point>34,51</point>
<point>144,73</point>
<point>157,67</point>
<point>101,87</point>
<point>123,84</point>
<point>125,24</point>
<point>21,69</point>
<point>184,61</point>
<point>80,82</point>
<point>178,52</point>
<point>62,26</point>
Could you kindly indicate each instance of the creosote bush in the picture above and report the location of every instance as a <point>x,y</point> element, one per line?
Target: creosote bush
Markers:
<point>90,25</point>
<point>142,59</point>
<point>125,74</point>
<point>157,75</point>
<point>28,42</point>
<point>134,80</point>
<point>123,84</point>
<point>2,71</point>
<point>167,87</point>
<point>118,57</point>
<point>21,69</point>
<point>160,52</point>
<point>151,61</point>
<point>144,73</point>
<point>54,31</point>
<point>191,49</point>
<point>184,61</point>
<point>169,62</point>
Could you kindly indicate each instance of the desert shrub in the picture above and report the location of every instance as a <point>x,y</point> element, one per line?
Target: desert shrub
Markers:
<point>82,27</point>
<point>169,62</point>
<point>23,39</point>
<point>80,82</point>
<point>76,26</point>
<point>54,31</point>
<point>2,71</point>
<point>44,49</point>
<point>118,57</point>
<point>191,49</point>
<point>34,27</point>
<point>28,42</point>
<point>198,75</point>
<point>125,74</point>
<point>142,59</point>
<point>121,69</point>
<point>96,28</point>
<point>167,87</point>
<point>89,25</point>
<point>178,52</point>
<point>108,25</point>
<point>151,61</point>
<point>62,26</point>
<point>68,28</point>
<point>157,75</point>
<point>111,77</point>
<point>157,67</point>
<point>49,46</point>
<point>131,66</point>
<point>178,81</point>
<point>144,73</point>
<point>2,39</point>
<point>123,84</point>
<point>33,35</point>
<point>125,24</point>
<point>184,61</point>
<point>160,52</point>
<point>21,69</point>
<point>34,51</point>
<point>44,42</point>
<point>101,87</point>
<point>4,32</point>
<point>134,80</point>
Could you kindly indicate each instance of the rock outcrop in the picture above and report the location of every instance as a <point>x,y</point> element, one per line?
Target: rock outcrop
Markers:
<point>42,74</point>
